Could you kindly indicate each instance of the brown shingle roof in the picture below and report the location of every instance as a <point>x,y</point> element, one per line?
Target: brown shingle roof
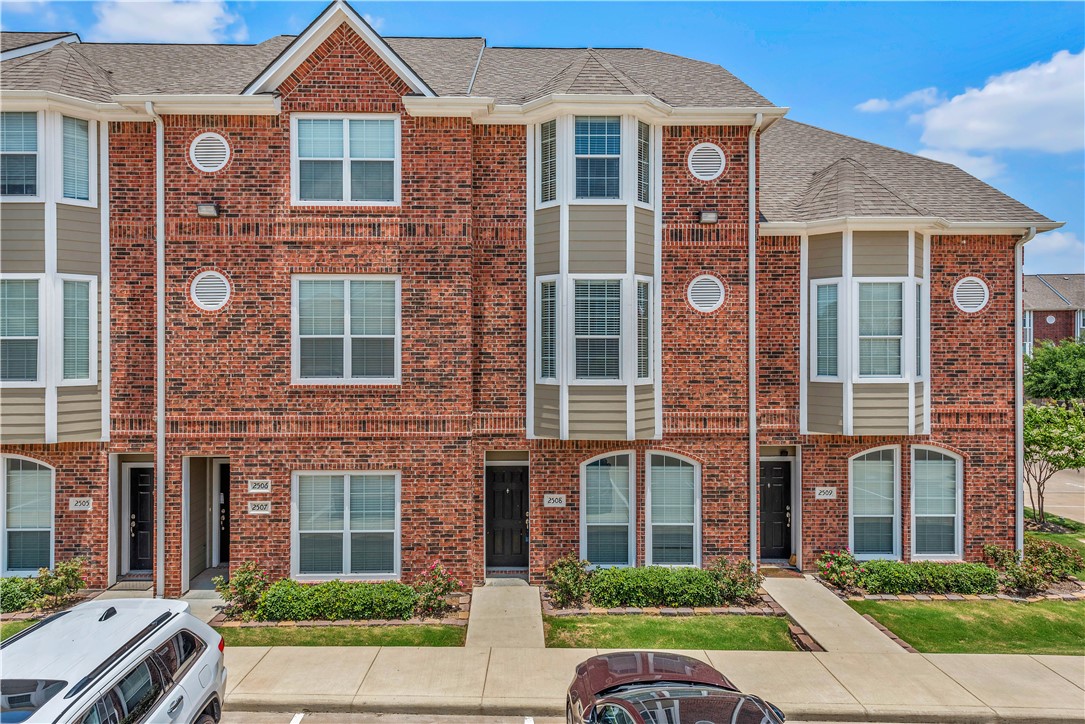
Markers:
<point>15,40</point>
<point>60,69</point>
<point>1053,292</point>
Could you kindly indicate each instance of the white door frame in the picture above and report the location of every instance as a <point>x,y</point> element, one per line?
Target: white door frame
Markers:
<point>126,513</point>
<point>213,512</point>
<point>796,515</point>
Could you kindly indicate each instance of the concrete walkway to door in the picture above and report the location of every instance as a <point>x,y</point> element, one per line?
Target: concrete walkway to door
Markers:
<point>831,622</point>
<point>505,613</point>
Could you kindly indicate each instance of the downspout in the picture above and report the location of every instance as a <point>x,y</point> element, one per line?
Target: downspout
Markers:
<point>160,350</point>
<point>751,331</point>
<point>1019,394</point>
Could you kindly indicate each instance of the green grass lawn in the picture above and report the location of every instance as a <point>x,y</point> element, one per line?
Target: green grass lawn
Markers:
<point>735,633</point>
<point>983,627</point>
<point>435,635</point>
<point>13,627</point>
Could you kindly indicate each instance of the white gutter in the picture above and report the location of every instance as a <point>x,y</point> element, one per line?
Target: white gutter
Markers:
<point>751,327</point>
<point>264,104</point>
<point>1019,394</point>
<point>160,349</point>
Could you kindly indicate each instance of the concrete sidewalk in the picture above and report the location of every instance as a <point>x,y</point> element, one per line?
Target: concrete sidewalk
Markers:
<point>505,613</point>
<point>532,681</point>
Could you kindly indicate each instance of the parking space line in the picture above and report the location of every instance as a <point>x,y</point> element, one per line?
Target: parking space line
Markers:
<point>297,718</point>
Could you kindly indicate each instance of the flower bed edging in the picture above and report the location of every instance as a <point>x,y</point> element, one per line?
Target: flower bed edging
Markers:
<point>39,613</point>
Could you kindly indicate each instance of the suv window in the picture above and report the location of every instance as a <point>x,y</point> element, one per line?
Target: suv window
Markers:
<point>21,698</point>
<point>106,710</point>
<point>179,651</point>
<point>139,691</point>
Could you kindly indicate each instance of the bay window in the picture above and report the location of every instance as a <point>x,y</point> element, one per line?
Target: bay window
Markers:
<point>76,159</point>
<point>644,163</point>
<point>874,504</point>
<point>644,330</point>
<point>672,511</point>
<point>48,330</point>
<point>881,328</point>
<point>827,329</point>
<point>606,518</point>
<point>548,161</point>
<point>28,516</point>
<point>19,153</point>
<point>598,329</point>
<point>598,153</point>
<point>78,339</point>
<point>936,503</point>
<point>548,330</point>
<point>351,160</point>
<point>19,330</point>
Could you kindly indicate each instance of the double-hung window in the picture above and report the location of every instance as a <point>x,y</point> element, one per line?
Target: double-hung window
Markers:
<point>597,326</point>
<point>548,161</point>
<point>548,330</point>
<point>48,329</point>
<point>77,324</point>
<point>606,510</point>
<point>874,481</point>
<point>28,516</point>
<point>18,153</point>
<point>76,151</point>
<point>346,160</point>
<point>346,524</point>
<point>826,329</point>
<point>644,330</point>
<point>936,503</point>
<point>598,151</point>
<point>881,328</point>
<point>644,162</point>
<point>346,330</point>
<point>673,511</point>
<point>20,330</point>
<point>1026,333</point>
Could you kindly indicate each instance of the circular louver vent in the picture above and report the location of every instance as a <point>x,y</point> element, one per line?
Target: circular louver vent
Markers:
<point>706,293</point>
<point>209,152</point>
<point>706,161</point>
<point>210,290</point>
<point>970,294</point>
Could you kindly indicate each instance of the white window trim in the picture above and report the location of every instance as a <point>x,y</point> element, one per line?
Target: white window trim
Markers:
<point>1079,323</point>
<point>632,523</point>
<point>44,337</point>
<point>841,316</point>
<point>958,532</point>
<point>896,505</point>
<point>648,509</point>
<point>92,160</point>
<point>568,303</point>
<point>92,377</point>
<point>397,164</point>
<point>558,345</point>
<point>558,165</point>
<point>907,336</point>
<point>41,165</point>
<point>295,539</point>
<point>295,338</point>
<point>1027,332</point>
<point>4,512</point>
<point>919,333</point>
<point>622,157</point>
<point>639,279</point>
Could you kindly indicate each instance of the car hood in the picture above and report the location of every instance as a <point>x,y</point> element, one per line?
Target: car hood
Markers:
<point>606,671</point>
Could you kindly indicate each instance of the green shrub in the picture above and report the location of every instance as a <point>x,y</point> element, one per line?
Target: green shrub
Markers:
<point>288,600</point>
<point>18,593</point>
<point>65,579</point>
<point>433,588</point>
<point>1057,561</point>
<point>889,577</point>
<point>840,569</point>
<point>1001,558</point>
<point>285,600</point>
<point>243,592</point>
<point>653,586</point>
<point>567,581</point>
<point>737,582</point>
<point>1025,578</point>
<point>896,577</point>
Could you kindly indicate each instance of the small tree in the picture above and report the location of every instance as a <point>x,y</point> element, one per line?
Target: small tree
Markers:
<point>1056,371</point>
<point>1054,439</point>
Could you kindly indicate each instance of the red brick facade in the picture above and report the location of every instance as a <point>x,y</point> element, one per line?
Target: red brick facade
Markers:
<point>1062,327</point>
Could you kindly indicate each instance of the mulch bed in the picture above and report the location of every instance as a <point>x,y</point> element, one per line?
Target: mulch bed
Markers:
<point>767,607</point>
<point>461,603</point>
<point>40,613</point>
<point>1071,590</point>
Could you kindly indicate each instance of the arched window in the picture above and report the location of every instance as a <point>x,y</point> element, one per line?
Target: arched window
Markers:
<point>874,501</point>
<point>672,510</point>
<point>936,503</point>
<point>606,510</point>
<point>28,516</point>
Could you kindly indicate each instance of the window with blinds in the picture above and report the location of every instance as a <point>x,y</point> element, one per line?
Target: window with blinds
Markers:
<point>548,331</point>
<point>76,150</point>
<point>28,516</point>
<point>347,524</point>
<point>18,153</point>
<point>77,332</point>
<point>644,163</point>
<point>672,510</point>
<point>19,330</point>
<point>644,330</point>
<point>881,328</point>
<point>598,328</point>
<point>936,490</point>
<point>347,329</point>
<point>828,325</point>
<point>598,151</point>
<point>548,161</point>
<point>607,511</point>
<point>874,504</point>
<point>347,159</point>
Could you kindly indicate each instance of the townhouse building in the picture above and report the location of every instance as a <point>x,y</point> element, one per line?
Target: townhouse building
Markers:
<point>344,304</point>
<point>1053,308</point>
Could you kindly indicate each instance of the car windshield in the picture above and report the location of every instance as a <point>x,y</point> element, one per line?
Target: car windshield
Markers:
<point>700,704</point>
<point>20,699</point>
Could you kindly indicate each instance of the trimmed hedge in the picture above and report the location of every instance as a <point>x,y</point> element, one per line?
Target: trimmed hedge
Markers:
<point>288,600</point>
<point>18,593</point>
<point>721,584</point>
<point>896,577</point>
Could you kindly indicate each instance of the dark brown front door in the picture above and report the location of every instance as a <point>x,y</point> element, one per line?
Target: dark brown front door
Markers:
<point>776,509</point>
<point>506,517</point>
<point>141,519</point>
<point>224,513</point>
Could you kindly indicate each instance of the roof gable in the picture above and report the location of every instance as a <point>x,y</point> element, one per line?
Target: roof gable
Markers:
<point>335,15</point>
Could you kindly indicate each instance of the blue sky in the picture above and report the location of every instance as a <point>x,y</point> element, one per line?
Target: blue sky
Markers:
<point>998,88</point>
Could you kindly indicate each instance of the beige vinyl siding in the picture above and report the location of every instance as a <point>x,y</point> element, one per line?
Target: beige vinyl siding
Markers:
<point>597,412</point>
<point>22,416</point>
<point>918,407</point>
<point>919,242</point>
<point>825,407</point>
<point>826,256</point>
<point>547,410</point>
<point>879,253</point>
<point>547,241</point>
<point>645,411</point>
<point>79,235</point>
<point>22,238</point>
<point>644,234</point>
<point>79,414</point>
<point>880,409</point>
<point>597,239</point>
<point>198,482</point>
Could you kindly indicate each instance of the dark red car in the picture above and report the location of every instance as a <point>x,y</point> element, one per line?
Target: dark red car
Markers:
<point>643,687</point>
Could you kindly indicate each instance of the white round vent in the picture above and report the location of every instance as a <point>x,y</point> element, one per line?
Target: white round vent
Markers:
<point>971,294</point>
<point>209,152</point>
<point>210,290</point>
<point>706,161</point>
<point>705,293</point>
<point>1050,319</point>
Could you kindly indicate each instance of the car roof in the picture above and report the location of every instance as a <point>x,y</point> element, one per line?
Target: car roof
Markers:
<point>70,645</point>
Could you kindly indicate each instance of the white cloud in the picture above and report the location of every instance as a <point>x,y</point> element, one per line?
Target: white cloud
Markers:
<point>40,8</point>
<point>1038,108</point>
<point>1055,252</point>
<point>374,21</point>
<point>171,21</point>
<point>984,167</point>
<point>924,98</point>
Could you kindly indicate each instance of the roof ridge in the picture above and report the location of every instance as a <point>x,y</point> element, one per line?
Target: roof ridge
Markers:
<point>1056,291</point>
<point>100,73</point>
<point>553,82</point>
<point>628,83</point>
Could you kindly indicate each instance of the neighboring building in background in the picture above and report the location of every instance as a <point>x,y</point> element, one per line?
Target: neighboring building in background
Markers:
<point>1054,308</point>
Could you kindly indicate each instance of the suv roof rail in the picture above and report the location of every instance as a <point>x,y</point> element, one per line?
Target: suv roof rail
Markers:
<point>49,619</point>
<point>118,654</point>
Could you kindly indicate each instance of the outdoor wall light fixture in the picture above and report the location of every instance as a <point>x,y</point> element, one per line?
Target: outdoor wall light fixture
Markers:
<point>209,210</point>
<point>710,217</point>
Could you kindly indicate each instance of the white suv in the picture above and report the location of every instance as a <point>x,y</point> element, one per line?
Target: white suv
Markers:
<point>114,662</point>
